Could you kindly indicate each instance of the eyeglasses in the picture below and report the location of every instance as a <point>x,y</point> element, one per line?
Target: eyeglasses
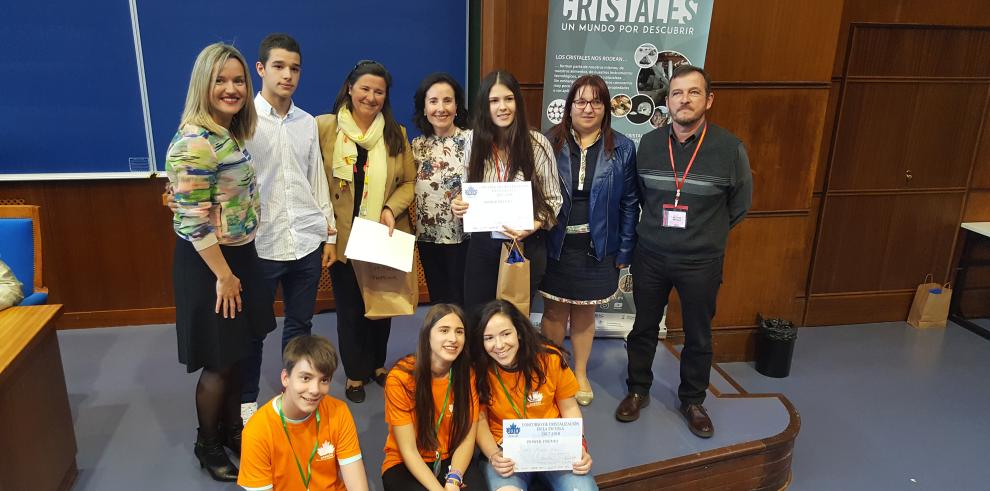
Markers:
<point>583,103</point>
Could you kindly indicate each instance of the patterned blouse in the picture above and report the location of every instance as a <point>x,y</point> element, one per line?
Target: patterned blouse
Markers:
<point>440,163</point>
<point>215,188</point>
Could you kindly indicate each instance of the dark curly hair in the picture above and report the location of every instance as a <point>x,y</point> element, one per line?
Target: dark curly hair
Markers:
<point>419,102</point>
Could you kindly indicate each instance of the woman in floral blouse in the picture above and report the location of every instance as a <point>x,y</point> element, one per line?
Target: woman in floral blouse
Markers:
<point>440,157</point>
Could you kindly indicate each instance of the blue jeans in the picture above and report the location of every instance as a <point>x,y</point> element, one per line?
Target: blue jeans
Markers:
<point>555,480</point>
<point>300,280</point>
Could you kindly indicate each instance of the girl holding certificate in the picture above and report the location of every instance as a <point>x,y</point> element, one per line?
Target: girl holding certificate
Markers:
<point>504,148</point>
<point>596,227</point>
<point>522,375</point>
<point>431,408</point>
<point>371,172</point>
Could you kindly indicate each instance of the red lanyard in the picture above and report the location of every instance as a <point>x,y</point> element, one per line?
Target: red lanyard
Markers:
<point>501,173</point>
<point>670,149</point>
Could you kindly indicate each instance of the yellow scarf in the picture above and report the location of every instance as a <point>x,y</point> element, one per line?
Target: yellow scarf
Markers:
<point>345,156</point>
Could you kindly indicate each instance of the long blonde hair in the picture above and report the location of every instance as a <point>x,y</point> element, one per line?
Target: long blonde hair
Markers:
<point>204,73</point>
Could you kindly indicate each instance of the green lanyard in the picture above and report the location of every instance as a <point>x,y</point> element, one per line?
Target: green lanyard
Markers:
<point>507,396</point>
<point>309,475</point>
<point>436,430</point>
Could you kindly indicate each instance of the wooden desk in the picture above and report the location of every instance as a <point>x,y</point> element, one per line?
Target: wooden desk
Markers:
<point>37,435</point>
<point>974,232</point>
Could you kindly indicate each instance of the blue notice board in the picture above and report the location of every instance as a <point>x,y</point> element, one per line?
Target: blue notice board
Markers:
<point>82,111</point>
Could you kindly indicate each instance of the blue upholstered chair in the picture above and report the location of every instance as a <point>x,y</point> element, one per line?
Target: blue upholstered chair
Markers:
<point>20,248</point>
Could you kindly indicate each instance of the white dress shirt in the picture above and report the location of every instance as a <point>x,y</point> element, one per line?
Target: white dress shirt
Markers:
<point>295,196</point>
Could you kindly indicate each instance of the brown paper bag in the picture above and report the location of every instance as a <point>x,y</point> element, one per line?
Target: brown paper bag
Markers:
<point>513,279</point>
<point>387,292</point>
<point>931,304</point>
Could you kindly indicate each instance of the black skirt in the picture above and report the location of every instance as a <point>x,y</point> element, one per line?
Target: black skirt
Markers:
<point>205,338</point>
<point>577,277</point>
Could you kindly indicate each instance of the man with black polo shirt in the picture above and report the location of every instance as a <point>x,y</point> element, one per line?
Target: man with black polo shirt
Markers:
<point>696,185</point>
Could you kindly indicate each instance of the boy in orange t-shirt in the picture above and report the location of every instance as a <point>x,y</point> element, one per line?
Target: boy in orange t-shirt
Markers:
<point>303,439</point>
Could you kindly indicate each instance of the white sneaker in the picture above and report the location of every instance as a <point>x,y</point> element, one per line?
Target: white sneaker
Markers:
<point>247,410</point>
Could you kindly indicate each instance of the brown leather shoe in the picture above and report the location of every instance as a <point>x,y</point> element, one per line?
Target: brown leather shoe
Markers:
<point>628,410</point>
<point>697,420</point>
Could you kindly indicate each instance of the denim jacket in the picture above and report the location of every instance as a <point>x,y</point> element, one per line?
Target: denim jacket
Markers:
<point>613,204</point>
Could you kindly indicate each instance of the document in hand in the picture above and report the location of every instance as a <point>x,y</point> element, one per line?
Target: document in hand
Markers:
<point>369,241</point>
<point>494,205</point>
<point>542,444</point>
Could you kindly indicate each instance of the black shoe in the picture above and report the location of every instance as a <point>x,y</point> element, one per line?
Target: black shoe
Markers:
<point>212,456</point>
<point>230,437</point>
<point>380,378</point>
<point>355,394</point>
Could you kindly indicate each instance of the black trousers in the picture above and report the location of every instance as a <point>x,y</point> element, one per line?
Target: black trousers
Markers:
<point>481,267</point>
<point>398,477</point>
<point>697,283</point>
<point>443,266</point>
<point>362,342</point>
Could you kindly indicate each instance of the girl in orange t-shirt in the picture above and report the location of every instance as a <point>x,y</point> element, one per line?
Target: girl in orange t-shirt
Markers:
<point>522,375</point>
<point>432,410</point>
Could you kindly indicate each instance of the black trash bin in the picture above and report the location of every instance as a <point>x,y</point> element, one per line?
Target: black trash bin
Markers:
<point>775,347</point>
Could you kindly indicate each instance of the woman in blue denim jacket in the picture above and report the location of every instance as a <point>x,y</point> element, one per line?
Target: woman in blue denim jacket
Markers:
<point>596,227</point>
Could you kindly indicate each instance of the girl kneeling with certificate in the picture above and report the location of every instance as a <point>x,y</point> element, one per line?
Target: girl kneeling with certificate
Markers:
<point>431,409</point>
<point>522,375</point>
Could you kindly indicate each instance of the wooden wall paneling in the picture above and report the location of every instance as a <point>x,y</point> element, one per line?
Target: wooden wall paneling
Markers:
<point>974,302</point>
<point>980,178</point>
<point>879,242</point>
<point>766,267</point>
<point>764,272</point>
<point>945,12</point>
<point>526,41</point>
<point>977,206</point>
<point>829,310</point>
<point>899,50</point>
<point>108,243</point>
<point>514,37</point>
<point>828,134</point>
<point>493,35</point>
<point>533,95</point>
<point>974,292</point>
<point>889,128</point>
<point>782,141</point>
<point>774,40</point>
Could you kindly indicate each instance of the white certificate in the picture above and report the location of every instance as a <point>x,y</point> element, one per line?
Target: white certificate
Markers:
<point>369,241</point>
<point>497,204</point>
<point>542,444</point>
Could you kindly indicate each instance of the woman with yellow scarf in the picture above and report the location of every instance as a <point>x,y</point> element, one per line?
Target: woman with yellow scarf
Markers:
<point>372,175</point>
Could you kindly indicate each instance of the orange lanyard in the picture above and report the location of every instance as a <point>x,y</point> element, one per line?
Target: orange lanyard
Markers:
<point>670,149</point>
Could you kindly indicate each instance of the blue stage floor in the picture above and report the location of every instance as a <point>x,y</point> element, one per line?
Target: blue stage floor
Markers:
<point>132,404</point>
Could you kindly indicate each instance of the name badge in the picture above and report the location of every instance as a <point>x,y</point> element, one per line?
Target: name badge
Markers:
<point>675,216</point>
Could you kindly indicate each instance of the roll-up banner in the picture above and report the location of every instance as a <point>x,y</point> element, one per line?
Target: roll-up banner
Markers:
<point>634,45</point>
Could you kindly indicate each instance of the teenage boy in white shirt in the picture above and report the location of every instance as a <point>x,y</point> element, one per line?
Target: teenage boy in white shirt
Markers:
<point>296,231</point>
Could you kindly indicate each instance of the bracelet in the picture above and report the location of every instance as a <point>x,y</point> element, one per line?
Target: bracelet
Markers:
<point>454,477</point>
<point>584,443</point>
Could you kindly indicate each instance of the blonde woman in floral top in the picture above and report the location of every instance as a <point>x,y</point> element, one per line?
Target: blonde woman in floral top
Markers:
<point>220,301</point>
<point>440,155</point>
